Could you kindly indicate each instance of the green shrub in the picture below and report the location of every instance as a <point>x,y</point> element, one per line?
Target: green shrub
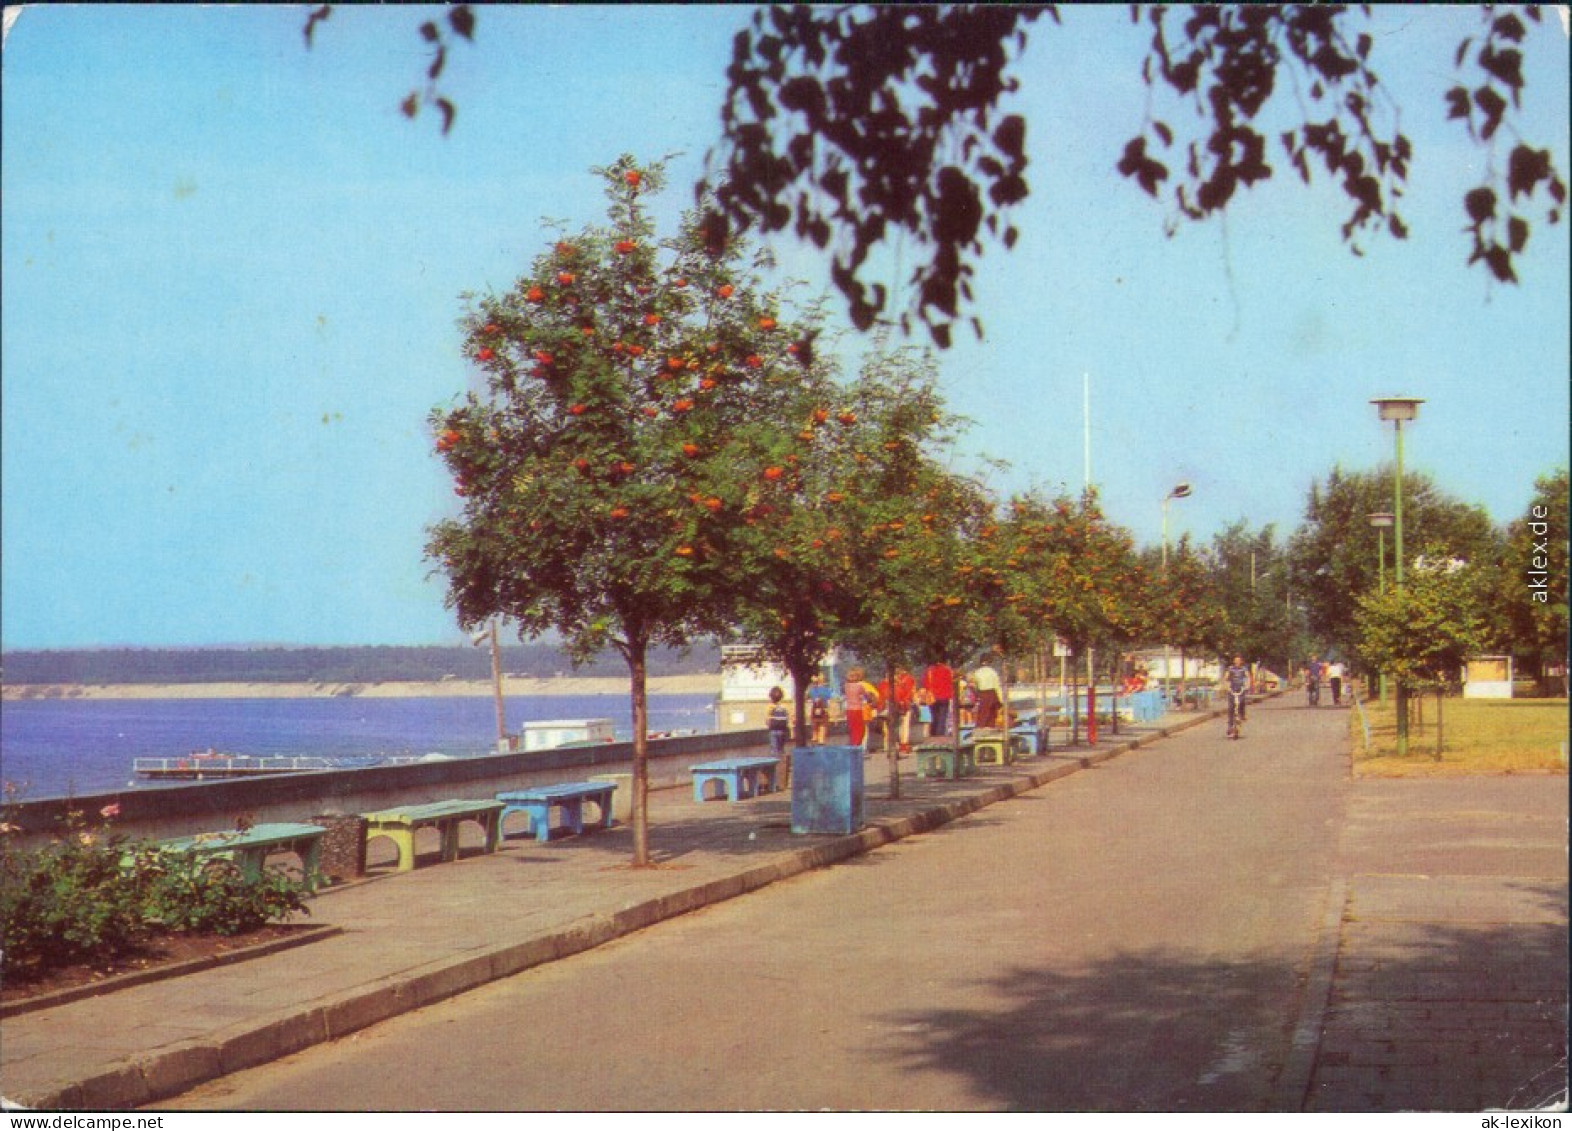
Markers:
<point>205,896</point>
<point>69,902</point>
<point>90,896</point>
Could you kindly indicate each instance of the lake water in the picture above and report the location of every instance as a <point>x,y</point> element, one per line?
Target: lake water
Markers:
<point>67,747</point>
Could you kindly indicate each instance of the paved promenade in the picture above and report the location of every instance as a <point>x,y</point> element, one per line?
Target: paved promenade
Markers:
<point>1469,877</point>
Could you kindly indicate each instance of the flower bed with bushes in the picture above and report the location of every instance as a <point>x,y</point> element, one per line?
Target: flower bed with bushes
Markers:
<point>90,896</point>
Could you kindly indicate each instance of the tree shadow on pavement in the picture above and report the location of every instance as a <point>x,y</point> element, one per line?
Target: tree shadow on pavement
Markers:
<point>1473,1016</point>
<point>1136,1032</point>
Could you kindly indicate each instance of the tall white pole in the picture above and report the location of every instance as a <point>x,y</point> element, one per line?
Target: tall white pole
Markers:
<point>1086,430</point>
<point>1086,485</point>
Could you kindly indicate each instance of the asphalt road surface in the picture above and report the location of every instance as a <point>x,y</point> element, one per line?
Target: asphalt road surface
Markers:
<point>1132,938</point>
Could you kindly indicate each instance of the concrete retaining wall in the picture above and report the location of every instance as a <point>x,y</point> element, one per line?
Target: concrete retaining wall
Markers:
<point>182,810</point>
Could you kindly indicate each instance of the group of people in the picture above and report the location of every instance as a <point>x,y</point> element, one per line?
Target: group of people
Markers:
<point>928,705</point>
<point>1331,673</point>
<point>1240,680</point>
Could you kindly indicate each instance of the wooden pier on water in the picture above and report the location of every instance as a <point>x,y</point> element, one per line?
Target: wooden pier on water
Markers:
<point>199,767</point>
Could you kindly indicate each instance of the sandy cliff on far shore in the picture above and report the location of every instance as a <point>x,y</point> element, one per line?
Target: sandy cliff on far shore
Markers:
<point>567,685</point>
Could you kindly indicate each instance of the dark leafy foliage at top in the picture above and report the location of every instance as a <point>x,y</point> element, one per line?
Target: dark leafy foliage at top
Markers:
<point>850,125</point>
<point>853,125</point>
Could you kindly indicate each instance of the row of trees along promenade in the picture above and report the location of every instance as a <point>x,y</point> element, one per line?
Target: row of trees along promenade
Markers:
<point>660,449</point>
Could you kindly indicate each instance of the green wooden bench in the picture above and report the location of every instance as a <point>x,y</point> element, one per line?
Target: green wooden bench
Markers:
<point>400,825</point>
<point>945,761</point>
<point>248,849</point>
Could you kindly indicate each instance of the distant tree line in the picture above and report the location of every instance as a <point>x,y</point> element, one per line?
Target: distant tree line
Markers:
<point>324,665</point>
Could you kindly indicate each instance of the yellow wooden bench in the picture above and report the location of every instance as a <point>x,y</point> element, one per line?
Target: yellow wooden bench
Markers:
<point>400,825</point>
<point>991,746</point>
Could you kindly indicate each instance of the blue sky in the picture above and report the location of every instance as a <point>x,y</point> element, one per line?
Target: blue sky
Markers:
<point>232,274</point>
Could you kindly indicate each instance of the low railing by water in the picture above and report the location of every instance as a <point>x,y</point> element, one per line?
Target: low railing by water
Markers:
<point>202,766</point>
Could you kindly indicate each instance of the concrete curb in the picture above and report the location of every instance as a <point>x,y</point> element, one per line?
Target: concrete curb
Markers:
<point>258,1041</point>
<point>1293,1083</point>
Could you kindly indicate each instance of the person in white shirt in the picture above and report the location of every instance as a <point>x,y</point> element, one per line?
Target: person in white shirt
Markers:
<point>985,680</point>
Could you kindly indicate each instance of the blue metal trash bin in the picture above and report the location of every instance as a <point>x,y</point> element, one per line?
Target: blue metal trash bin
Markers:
<point>826,789</point>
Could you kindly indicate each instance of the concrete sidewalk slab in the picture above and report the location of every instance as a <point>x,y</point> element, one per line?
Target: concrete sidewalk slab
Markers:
<point>1448,988</point>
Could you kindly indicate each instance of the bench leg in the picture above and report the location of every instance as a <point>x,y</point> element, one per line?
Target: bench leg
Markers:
<point>250,860</point>
<point>492,823</point>
<point>404,841</point>
<point>450,840</point>
<point>311,864</point>
<point>573,815</point>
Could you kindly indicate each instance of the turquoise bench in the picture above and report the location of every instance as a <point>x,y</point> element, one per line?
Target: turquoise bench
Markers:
<point>568,798</point>
<point>248,849</point>
<point>737,777</point>
<point>400,826</point>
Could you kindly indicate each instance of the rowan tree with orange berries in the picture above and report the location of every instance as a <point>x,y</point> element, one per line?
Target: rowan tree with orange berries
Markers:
<point>629,388</point>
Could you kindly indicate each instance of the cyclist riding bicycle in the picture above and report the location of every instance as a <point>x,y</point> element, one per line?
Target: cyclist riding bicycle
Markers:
<point>1313,681</point>
<point>1236,680</point>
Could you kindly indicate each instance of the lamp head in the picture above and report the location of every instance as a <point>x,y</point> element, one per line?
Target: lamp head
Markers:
<point>1180,491</point>
<point>1398,408</point>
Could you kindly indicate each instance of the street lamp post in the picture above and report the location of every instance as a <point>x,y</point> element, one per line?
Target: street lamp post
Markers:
<point>1397,410</point>
<point>1180,491</point>
<point>478,639</point>
<point>1381,520</point>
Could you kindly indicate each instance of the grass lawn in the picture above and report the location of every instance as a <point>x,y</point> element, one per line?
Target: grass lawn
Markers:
<point>1483,736</point>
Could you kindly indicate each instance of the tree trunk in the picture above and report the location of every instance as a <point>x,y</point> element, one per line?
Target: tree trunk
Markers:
<point>1113,699</point>
<point>802,673</point>
<point>1440,731</point>
<point>641,774</point>
<point>1075,703</point>
<point>1004,696</point>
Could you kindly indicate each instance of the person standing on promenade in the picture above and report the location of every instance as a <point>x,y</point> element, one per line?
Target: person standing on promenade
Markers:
<point>939,680</point>
<point>965,702</point>
<point>778,719</point>
<point>905,692</point>
<point>819,696</point>
<point>861,701</point>
<point>1334,679</point>
<point>986,680</point>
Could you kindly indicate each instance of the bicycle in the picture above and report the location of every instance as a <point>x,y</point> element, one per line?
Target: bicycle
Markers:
<point>1236,710</point>
<point>1313,690</point>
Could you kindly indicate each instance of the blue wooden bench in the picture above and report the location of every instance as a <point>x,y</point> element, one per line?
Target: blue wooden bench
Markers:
<point>1029,741</point>
<point>248,849</point>
<point>400,826</point>
<point>568,798</point>
<point>738,777</point>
